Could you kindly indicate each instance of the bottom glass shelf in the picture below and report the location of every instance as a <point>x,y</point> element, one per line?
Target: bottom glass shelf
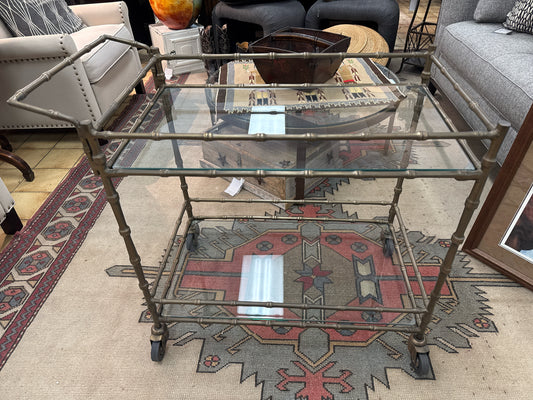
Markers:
<point>328,272</point>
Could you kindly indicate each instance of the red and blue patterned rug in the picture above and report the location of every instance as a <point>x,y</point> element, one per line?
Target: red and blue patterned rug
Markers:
<point>317,364</point>
<point>36,257</point>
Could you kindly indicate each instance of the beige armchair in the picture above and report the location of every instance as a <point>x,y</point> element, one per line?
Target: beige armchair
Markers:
<point>86,88</point>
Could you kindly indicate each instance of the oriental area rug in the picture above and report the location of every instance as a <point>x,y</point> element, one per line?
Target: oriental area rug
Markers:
<point>73,323</point>
<point>317,364</point>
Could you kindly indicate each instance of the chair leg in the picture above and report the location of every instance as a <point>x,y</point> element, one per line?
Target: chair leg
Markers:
<point>4,143</point>
<point>12,223</point>
<point>19,163</point>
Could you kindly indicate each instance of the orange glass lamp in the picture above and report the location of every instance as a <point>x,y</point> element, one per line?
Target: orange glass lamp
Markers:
<point>176,14</point>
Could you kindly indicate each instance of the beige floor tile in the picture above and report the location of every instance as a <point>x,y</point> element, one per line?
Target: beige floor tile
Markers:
<point>4,240</point>
<point>27,203</point>
<point>45,180</point>
<point>11,176</point>
<point>61,158</point>
<point>42,140</point>
<point>31,156</point>
<point>69,141</point>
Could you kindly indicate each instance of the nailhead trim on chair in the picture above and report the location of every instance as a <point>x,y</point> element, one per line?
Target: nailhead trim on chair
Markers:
<point>121,14</point>
<point>59,124</point>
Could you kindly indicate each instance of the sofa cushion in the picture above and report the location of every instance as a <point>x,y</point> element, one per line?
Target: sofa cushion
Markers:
<point>493,64</point>
<point>39,17</point>
<point>492,10</point>
<point>520,18</point>
<point>105,55</point>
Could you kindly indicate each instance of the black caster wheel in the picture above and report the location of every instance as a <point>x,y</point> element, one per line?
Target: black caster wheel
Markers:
<point>158,350</point>
<point>191,241</point>
<point>388,247</point>
<point>388,242</point>
<point>421,365</point>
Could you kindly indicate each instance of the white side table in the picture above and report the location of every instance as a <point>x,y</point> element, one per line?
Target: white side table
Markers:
<point>183,41</point>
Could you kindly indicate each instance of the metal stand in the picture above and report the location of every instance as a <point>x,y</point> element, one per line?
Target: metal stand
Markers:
<point>419,36</point>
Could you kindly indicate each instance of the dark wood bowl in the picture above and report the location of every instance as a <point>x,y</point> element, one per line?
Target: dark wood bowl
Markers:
<point>298,40</point>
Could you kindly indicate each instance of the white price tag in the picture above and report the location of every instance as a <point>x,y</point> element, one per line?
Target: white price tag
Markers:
<point>503,31</point>
<point>235,186</point>
<point>168,73</point>
<point>267,119</point>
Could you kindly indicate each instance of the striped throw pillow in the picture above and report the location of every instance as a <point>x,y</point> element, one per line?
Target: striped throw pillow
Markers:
<point>39,17</point>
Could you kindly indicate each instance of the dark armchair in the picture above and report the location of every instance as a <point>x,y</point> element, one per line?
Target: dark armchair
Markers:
<point>380,15</point>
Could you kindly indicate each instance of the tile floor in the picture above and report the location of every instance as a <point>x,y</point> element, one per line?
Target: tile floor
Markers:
<point>52,155</point>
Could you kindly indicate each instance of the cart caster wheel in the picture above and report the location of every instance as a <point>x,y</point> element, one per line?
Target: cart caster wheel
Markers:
<point>158,350</point>
<point>388,247</point>
<point>421,365</point>
<point>191,241</point>
<point>388,242</point>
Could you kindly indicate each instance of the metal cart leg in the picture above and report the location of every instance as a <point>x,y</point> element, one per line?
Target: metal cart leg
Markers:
<point>97,160</point>
<point>388,245</point>
<point>417,342</point>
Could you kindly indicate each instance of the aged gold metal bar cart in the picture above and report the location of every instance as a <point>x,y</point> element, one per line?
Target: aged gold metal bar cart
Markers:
<point>202,126</point>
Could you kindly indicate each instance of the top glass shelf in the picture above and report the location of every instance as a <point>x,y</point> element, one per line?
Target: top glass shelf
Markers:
<point>281,115</point>
<point>359,120</point>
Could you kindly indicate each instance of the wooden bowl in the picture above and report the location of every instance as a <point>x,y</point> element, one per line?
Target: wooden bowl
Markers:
<point>297,40</point>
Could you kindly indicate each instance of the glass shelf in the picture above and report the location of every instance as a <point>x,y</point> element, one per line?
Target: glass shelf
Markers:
<point>293,264</point>
<point>199,110</point>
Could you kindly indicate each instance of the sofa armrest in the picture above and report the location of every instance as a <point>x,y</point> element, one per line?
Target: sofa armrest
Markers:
<point>452,11</point>
<point>103,13</point>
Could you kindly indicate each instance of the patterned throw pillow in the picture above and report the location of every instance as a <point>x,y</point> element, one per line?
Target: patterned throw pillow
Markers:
<point>520,18</point>
<point>39,17</point>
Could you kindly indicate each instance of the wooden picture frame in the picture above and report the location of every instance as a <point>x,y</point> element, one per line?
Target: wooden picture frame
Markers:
<point>511,192</point>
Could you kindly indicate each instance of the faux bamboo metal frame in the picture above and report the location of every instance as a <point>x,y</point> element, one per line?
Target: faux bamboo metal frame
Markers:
<point>89,133</point>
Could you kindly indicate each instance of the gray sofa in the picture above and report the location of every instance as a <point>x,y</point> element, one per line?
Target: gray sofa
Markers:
<point>496,70</point>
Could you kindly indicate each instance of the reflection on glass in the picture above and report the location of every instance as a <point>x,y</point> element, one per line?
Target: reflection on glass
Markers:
<point>268,120</point>
<point>518,238</point>
<point>261,280</point>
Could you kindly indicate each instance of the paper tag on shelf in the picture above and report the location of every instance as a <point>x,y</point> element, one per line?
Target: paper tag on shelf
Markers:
<point>267,119</point>
<point>168,73</point>
<point>235,186</point>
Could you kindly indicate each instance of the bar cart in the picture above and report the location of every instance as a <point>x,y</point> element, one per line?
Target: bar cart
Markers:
<point>202,119</point>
